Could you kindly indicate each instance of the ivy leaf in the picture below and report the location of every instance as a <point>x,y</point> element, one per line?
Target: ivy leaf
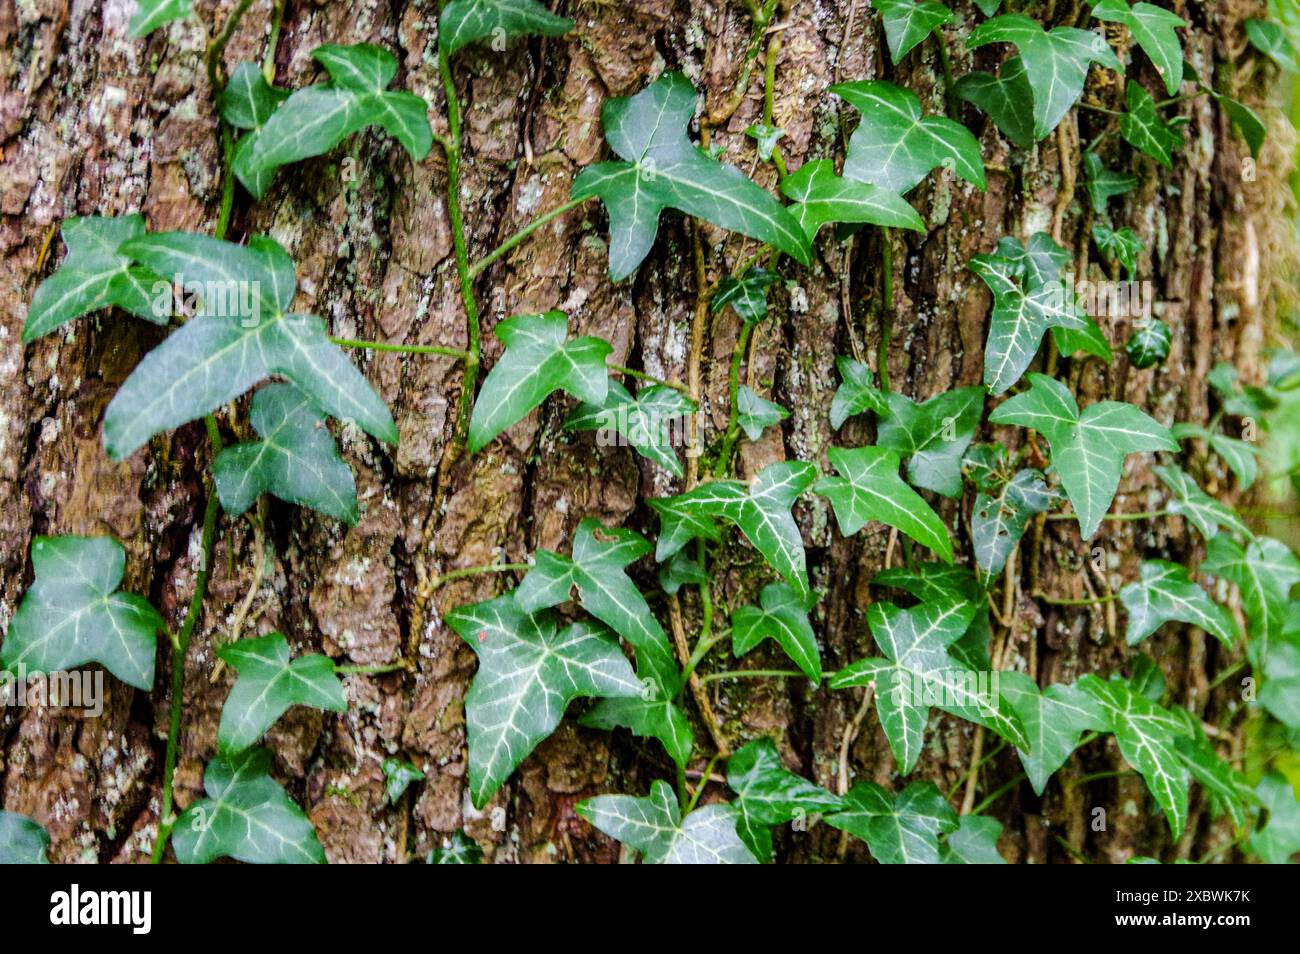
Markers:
<point>1149,344</point>
<point>151,14</point>
<point>1280,694</point>
<point>538,359</point>
<point>1153,29</point>
<point>296,459</point>
<point>74,614</point>
<point>22,840</point>
<point>315,119</point>
<point>987,467</point>
<point>529,672</point>
<point>761,511</point>
<point>246,816</point>
<point>1056,62</point>
<point>820,196</point>
<point>1237,454</point>
<point>988,7</point>
<point>767,794</point>
<point>1091,340</point>
<point>938,582</point>
<point>1271,40</point>
<point>647,421</point>
<point>1006,98</point>
<point>783,616</point>
<point>241,335</point>
<point>653,825</point>
<point>746,294</point>
<point>1226,786</point>
<point>894,147</point>
<point>999,520</point>
<point>933,436</point>
<point>858,392</point>
<point>766,139</point>
<point>868,488</point>
<point>467,21</point>
<point>460,849</point>
<point>975,842</point>
<point>1123,246</point>
<point>1166,592</point>
<point>756,413</point>
<point>248,100</point>
<point>648,718</point>
<point>680,570</point>
<point>1144,130</point>
<point>1188,500</point>
<point>1264,570</point>
<point>268,685</point>
<point>664,169</point>
<point>1054,718</point>
<point>1102,183</point>
<point>598,570</point>
<point>94,275</point>
<point>908,22</point>
<point>1088,449</point>
<point>1247,121</point>
<point>1279,838</point>
<point>898,830</point>
<point>398,776</point>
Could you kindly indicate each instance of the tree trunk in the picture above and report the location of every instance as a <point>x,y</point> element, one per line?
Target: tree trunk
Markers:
<point>92,122</point>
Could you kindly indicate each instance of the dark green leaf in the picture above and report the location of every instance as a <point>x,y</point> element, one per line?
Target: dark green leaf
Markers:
<point>653,825</point>
<point>755,414</point>
<point>932,436</point>
<point>648,422</point>
<point>858,392</point>
<point>975,842</point>
<point>1006,98</point>
<point>746,294</point>
<point>898,830</point>
<point>656,718</point>
<point>1154,31</point>
<point>999,520</point>
<point>681,569</point>
<point>1054,718</point>
<point>767,793</point>
<point>1149,344</point>
<point>1123,246</point>
<point>1144,130</point>
<point>467,21</point>
<point>1187,499</point>
<point>783,616</point>
<point>1166,592</point>
<point>1102,183</point>
<point>820,196</point>
<point>398,776</point>
<point>460,849</point>
<point>908,22</point>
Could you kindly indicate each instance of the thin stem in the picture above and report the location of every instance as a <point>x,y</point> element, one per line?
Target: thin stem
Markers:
<point>402,349</point>
<point>268,62</point>
<point>227,181</point>
<point>723,465</point>
<point>642,376</point>
<point>522,234</point>
<point>1144,515</point>
<point>945,61</point>
<point>702,647</point>
<point>887,306</point>
<point>1090,601</point>
<point>752,674</point>
<point>370,670</point>
<point>467,571</point>
<point>704,782</point>
<point>979,764</point>
<point>218,46</point>
<point>1099,109</point>
<point>998,793</point>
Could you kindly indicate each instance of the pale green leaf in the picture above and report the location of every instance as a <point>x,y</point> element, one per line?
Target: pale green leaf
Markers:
<point>1166,592</point>
<point>648,421</point>
<point>151,14</point>
<point>654,827</point>
<point>1154,30</point>
<point>767,794</point>
<point>22,840</point>
<point>820,197</point>
<point>1187,499</point>
<point>1054,719</point>
<point>1103,183</point>
<point>755,414</point>
<point>1122,245</point>
<point>858,392</point>
<point>398,776</point>
<point>1265,570</point>
<point>654,718</point>
<point>1278,838</point>
<point>460,849</point>
<point>932,436</point>
<point>898,830</point>
<point>1271,40</point>
<point>468,21</point>
<point>248,100</point>
<point>975,842</point>
<point>783,616</point>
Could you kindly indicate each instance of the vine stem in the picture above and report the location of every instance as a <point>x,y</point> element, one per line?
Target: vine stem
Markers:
<point>887,303</point>
<point>1145,515</point>
<point>704,783</point>
<point>460,353</point>
<point>1090,601</point>
<point>723,465</point>
<point>477,268</point>
<point>268,62</point>
<point>642,376</point>
<point>468,571</point>
<point>751,674</point>
<point>371,670</point>
<point>218,46</point>
<point>945,61</point>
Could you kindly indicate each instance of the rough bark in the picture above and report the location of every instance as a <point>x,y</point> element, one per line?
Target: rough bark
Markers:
<point>91,122</point>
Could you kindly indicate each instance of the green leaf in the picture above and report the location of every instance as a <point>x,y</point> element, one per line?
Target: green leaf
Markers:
<point>820,196</point>
<point>246,816</point>
<point>681,569</point>
<point>1153,29</point>
<point>999,520</point>
<point>988,7</point>
<point>648,422</point>
<point>746,294</point>
<point>1248,123</point>
<point>74,614</point>
<point>1280,693</point>
<point>1187,499</point>
<point>939,582</point>
<point>932,436</point>
<point>767,794</point>
<point>1271,40</point>
<point>648,718</point>
<point>295,460</point>
<point>22,840</point>
<point>151,14</point>
<point>268,685</point>
<point>761,511</point>
<point>783,616</point>
<point>987,466</point>
<point>653,825</point>
<point>755,414</point>
<point>1237,454</point>
<point>539,359</point>
<point>1144,130</point>
<point>248,100</point>
<point>1088,449</point>
<point>315,119</point>
<point>766,138</point>
<point>468,21</point>
<point>1054,719</point>
<point>1056,62</point>
<point>908,22</point>
<point>1226,786</point>
<point>241,335</point>
<point>1123,246</point>
<point>663,169</point>
<point>975,842</point>
<point>858,392</point>
<point>529,672</point>
<point>398,776</point>
<point>898,830</point>
<point>1279,837</point>
<point>1006,98</point>
<point>1028,299</point>
<point>1166,592</point>
<point>95,275</point>
<point>1102,183</point>
<point>1149,344</point>
<point>868,488</point>
<point>460,849</point>
<point>598,570</point>
<point>1091,340</point>
<point>1265,571</point>
<point>894,147</point>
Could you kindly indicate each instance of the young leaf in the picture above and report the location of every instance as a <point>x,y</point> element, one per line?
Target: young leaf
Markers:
<point>241,335</point>
<point>1248,123</point>
<point>246,816</point>
<point>663,169</point>
<point>988,7</point>
<point>1153,29</point>
<point>766,139</point>
<point>94,275</point>
<point>538,360</point>
<point>746,294</point>
<point>1123,246</point>
<point>1187,499</point>
<point>1166,592</point>
<point>898,830</point>
<point>653,825</point>
<point>784,617</point>
<point>1088,449</point>
<point>529,672</point>
<point>648,718</point>
<point>22,840</point>
<point>868,488</point>
<point>1055,61</point>
<point>467,21</point>
<point>296,459</point>
<point>1265,571</point>
<point>398,776</point>
<point>681,569</point>
<point>268,685</point>
<point>1102,183</point>
<point>975,842</point>
<point>756,413</point>
<point>894,147</point>
<point>647,421</point>
<point>1054,718</point>
<point>767,794</point>
<point>1149,344</point>
<point>74,614</point>
<point>938,582</point>
<point>1271,40</point>
<point>598,570</point>
<point>151,14</point>
<point>908,22</point>
<point>460,849</point>
<point>858,392</point>
<point>1144,130</point>
<point>933,436</point>
<point>1007,99</point>
<point>820,196</point>
<point>999,520</point>
<point>987,466</point>
<point>1279,838</point>
<point>248,100</point>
